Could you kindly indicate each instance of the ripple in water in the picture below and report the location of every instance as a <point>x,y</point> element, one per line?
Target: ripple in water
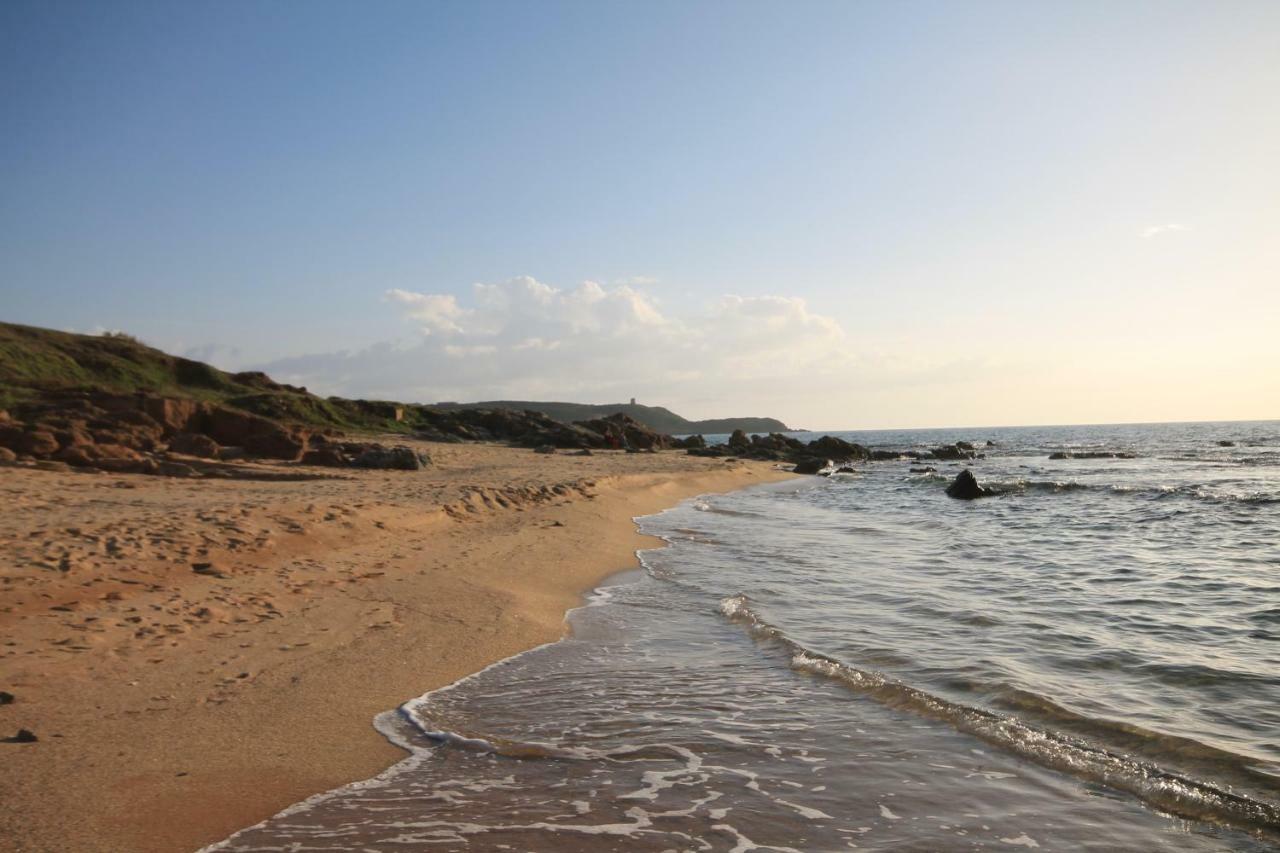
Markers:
<point>863,663</point>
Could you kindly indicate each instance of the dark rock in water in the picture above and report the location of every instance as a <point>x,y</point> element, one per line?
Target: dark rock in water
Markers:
<point>846,470</point>
<point>965,487</point>
<point>1226,444</point>
<point>954,451</point>
<point>990,443</point>
<point>739,440</point>
<point>545,448</point>
<point>811,466</point>
<point>23,736</point>
<point>885,455</point>
<point>838,448</point>
<point>399,458</point>
<point>689,441</point>
<point>964,445</point>
<point>6,698</point>
<point>928,469</point>
<point>1093,454</point>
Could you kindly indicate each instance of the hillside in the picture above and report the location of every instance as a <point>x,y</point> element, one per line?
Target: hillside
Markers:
<point>35,362</point>
<point>655,417</point>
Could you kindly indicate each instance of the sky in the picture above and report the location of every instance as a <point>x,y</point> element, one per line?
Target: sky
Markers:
<point>844,215</point>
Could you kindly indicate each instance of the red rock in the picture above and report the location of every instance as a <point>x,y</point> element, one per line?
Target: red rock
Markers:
<point>194,444</point>
<point>7,455</point>
<point>259,436</point>
<point>38,443</point>
<point>172,414</point>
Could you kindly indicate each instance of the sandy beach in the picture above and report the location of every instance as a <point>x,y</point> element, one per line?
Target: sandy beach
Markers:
<point>194,656</point>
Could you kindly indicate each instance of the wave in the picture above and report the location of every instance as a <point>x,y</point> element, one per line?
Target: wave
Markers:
<point>1166,790</point>
<point>1194,491</point>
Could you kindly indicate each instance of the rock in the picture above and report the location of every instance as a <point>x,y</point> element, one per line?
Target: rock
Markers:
<point>1093,454</point>
<point>953,452</point>
<point>1226,444</point>
<point>927,469</point>
<point>963,445</point>
<point>194,444</point>
<point>838,448</point>
<point>7,455</point>
<point>208,569</point>
<point>811,466</point>
<point>583,452</point>
<point>259,436</point>
<point>738,440</point>
<point>620,431</point>
<point>990,443</point>
<point>545,448</point>
<point>965,487</point>
<point>400,458</point>
<point>885,455</point>
<point>846,470</point>
<point>6,698</point>
<point>173,469</point>
<point>173,415</point>
<point>38,443</point>
<point>689,441</point>
<point>23,736</point>
<point>328,456</point>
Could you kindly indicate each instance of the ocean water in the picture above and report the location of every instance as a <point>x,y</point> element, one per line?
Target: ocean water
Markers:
<point>1089,661</point>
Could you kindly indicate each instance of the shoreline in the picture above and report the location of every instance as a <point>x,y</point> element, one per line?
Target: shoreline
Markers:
<point>257,689</point>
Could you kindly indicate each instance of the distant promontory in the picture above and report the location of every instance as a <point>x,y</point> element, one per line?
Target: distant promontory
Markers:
<point>657,418</point>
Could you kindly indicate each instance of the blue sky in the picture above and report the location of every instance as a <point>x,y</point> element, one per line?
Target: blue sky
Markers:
<point>843,214</point>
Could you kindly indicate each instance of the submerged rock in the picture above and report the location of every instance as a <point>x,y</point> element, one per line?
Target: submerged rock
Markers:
<point>965,487</point>
<point>1093,454</point>
<point>959,450</point>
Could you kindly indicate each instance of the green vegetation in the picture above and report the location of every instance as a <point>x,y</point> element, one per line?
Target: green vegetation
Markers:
<point>34,362</point>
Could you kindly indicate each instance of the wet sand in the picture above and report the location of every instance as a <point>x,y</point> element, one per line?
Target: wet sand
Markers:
<point>175,706</point>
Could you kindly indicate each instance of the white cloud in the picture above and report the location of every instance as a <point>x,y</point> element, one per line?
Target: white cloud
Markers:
<point>1156,230</point>
<point>436,313</point>
<point>526,339</point>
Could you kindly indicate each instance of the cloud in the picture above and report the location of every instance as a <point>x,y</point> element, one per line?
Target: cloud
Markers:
<point>435,313</point>
<point>525,339</point>
<point>1156,230</point>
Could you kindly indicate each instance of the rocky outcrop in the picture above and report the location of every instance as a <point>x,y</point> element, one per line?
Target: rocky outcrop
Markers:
<point>959,450</point>
<point>625,432</point>
<point>399,457</point>
<point>194,444</point>
<point>965,487</point>
<point>259,436</point>
<point>812,465</point>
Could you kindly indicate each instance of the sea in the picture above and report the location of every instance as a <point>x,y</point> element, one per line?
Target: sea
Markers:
<point>1089,660</point>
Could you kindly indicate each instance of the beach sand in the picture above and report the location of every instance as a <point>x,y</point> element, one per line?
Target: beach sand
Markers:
<point>175,706</point>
